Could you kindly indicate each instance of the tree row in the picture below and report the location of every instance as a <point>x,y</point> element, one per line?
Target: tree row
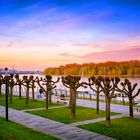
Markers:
<point>106,85</point>
<point>128,68</point>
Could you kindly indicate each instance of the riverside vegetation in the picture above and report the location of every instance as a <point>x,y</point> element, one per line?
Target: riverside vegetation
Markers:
<point>120,69</point>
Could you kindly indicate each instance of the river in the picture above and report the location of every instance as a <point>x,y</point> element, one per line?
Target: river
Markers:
<point>83,79</point>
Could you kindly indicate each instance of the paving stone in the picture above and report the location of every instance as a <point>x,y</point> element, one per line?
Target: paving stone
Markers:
<point>70,136</point>
<point>95,120</point>
<point>60,130</point>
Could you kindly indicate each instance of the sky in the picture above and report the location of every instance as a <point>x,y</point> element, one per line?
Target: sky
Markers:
<point>36,34</point>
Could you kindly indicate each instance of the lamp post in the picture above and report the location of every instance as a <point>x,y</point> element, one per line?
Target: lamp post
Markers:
<point>6,92</point>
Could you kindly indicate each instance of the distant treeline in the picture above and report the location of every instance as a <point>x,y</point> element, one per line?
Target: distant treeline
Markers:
<point>125,68</point>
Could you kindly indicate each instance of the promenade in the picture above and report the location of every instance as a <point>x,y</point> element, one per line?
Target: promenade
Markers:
<point>47,126</point>
<point>65,131</point>
<point>113,107</point>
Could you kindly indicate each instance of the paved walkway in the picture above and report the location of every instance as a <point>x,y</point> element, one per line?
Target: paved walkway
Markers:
<point>43,108</point>
<point>95,120</point>
<point>60,130</point>
<point>113,107</point>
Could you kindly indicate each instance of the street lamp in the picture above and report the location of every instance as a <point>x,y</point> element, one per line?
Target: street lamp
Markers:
<point>6,92</point>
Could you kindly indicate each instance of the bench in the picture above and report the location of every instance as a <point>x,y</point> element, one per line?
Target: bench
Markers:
<point>62,100</point>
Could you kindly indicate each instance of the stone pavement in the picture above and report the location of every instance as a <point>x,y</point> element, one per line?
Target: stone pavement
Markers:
<point>113,107</point>
<point>95,120</point>
<point>57,129</point>
<point>43,108</point>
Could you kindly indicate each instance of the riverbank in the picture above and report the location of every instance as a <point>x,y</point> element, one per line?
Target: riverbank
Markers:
<point>87,76</point>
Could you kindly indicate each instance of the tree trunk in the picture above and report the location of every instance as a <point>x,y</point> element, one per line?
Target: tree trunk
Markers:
<point>73,107</point>
<point>19,91</point>
<point>33,94</point>
<point>27,96</point>
<point>131,107</point>
<point>107,111</point>
<point>46,106</point>
<point>50,97</point>
<point>123,99</point>
<point>97,102</point>
<point>11,94</point>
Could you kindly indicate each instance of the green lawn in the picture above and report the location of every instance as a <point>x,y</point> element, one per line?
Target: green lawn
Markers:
<point>19,104</point>
<point>63,114</point>
<point>12,131</point>
<point>122,128</point>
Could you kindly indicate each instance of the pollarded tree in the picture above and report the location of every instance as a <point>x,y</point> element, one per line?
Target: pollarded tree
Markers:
<point>129,89</point>
<point>27,84</point>
<point>49,85</point>
<point>94,84</point>
<point>12,83</point>
<point>33,81</point>
<point>73,83</point>
<point>19,82</point>
<point>108,86</point>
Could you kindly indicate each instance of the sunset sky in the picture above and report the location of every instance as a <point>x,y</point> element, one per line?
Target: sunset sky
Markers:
<point>36,34</point>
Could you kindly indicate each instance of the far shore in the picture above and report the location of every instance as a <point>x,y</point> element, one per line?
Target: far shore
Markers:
<point>120,76</point>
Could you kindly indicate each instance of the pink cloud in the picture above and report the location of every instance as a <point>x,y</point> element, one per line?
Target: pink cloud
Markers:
<point>68,55</point>
<point>130,54</point>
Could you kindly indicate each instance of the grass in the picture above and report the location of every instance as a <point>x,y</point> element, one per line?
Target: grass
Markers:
<point>12,131</point>
<point>121,129</point>
<point>63,114</point>
<point>19,104</point>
